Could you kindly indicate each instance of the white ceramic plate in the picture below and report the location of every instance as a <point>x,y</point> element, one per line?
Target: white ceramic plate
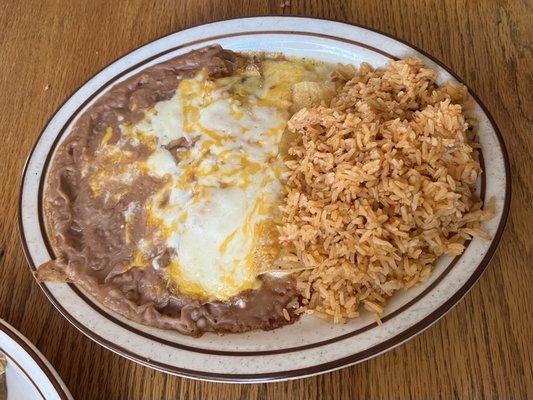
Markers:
<point>28,374</point>
<point>310,346</point>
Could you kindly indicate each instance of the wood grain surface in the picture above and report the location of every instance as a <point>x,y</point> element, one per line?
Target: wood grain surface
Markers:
<point>482,349</point>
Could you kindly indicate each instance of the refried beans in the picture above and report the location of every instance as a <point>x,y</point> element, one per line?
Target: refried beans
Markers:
<point>88,233</point>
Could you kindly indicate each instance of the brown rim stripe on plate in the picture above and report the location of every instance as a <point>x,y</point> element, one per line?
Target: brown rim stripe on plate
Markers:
<point>105,313</point>
<point>12,360</point>
<point>416,328</point>
<point>35,357</point>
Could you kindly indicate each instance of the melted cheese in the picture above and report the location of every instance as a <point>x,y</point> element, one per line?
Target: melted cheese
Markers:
<point>219,189</point>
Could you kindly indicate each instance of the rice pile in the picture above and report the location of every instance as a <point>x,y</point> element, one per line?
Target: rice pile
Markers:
<point>379,185</point>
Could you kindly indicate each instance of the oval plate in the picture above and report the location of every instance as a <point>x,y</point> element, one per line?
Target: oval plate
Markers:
<point>29,375</point>
<point>310,346</point>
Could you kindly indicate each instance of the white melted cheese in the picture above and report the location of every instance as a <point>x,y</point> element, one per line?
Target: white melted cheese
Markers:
<point>161,163</point>
<point>220,191</point>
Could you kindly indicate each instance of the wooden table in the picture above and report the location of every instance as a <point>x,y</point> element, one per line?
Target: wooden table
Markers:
<point>481,349</point>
